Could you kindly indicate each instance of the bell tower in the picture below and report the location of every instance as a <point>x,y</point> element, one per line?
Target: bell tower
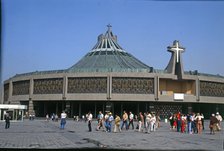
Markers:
<point>175,65</point>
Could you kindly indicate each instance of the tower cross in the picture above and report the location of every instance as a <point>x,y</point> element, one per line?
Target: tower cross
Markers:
<point>176,49</point>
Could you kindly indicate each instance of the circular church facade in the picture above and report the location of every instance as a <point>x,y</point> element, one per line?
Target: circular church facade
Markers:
<point>108,78</point>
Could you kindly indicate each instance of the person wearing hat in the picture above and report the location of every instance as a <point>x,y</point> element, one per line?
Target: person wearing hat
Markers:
<point>219,118</point>
<point>110,120</point>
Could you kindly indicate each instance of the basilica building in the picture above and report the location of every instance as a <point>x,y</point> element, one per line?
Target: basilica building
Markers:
<point>109,78</point>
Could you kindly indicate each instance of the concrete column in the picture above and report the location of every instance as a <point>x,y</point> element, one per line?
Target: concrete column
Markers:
<point>31,109</point>
<point>45,109</point>
<point>109,87</point>
<point>121,109</point>
<point>113,109</point>
<point>72,107</point>
<point>22,112</point>
<point>197,89</point>
<point>10,91</point>
<point>95,114</point>
<point>2,94</point>
<point>137,108</point>
<point>80,107</point>
<point>57,108</point>
<point>31,88</point>
<point>156,88</point>
<point>103,108</point>
<point>189,108</point>
<point>65,87</point>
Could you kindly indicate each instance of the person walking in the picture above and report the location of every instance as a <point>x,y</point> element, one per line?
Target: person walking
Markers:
<point>100,120</point>
<point>189,123</point>
<point>194,124</point>
<point>158,119</point>
<point>110,120</point>
<point>106,120</point>
<point>213,123</point>
<point>47,117</point>
<point>140,122</point>
<point>183,123</point>
<point>125,120</point>
<point>7,120</point>
<point>203,121</point>
<point>131,120</point>
<point>148,122</point>
<point>198,119</point>
<point>56,118</point>
<point>63,120</point>
<point>153,123</point>
<point>89,119</point>
<point>117,124</point>
<point>178,121</point>
<point>219,118</point>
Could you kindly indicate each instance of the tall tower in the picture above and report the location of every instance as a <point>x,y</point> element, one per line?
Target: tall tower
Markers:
<point>175,65</point>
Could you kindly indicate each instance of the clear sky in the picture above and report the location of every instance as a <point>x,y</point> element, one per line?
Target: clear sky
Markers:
<point>40,35</point>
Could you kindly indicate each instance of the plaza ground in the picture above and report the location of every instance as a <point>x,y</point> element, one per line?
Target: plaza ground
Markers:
<point>40,134</point>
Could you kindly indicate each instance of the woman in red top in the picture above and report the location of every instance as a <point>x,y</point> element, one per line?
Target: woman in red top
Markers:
<point>178,121</point>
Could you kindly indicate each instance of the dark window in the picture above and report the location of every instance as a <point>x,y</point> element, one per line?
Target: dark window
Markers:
<point>103,53</point>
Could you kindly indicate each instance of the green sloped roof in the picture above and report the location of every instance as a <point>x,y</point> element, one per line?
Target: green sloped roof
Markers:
<point>108,56</point>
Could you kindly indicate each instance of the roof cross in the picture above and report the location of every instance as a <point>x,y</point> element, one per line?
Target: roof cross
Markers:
<point>109,27</point>
<point>176,49</point>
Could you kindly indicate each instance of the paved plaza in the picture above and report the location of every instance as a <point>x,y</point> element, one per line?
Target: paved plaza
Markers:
<point>40,134</point>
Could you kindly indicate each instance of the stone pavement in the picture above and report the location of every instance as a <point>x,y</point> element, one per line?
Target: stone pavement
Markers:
<point>40,134</point>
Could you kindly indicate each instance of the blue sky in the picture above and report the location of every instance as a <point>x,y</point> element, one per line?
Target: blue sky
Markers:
<point>55,34</point>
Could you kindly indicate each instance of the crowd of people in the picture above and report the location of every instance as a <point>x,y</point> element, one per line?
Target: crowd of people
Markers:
<point>147,122</point>
<point>194,123</point>
<point>53,117</point>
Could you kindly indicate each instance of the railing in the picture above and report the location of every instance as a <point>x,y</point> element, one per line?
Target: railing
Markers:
<point>202,74</point>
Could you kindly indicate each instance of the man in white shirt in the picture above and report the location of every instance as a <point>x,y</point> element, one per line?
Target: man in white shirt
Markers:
<point>89,119</point>
<point>131,120</point>
<point>219,118</point>
<point>100,120</point>
<point>153,123</point>
<point>148,122</point>
<point>63,119</point>
<point>110,120</point>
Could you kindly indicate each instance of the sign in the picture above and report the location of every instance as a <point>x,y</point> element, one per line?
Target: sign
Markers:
<point>10,106</point>
<point>108,106</point>
<point>178,96</point>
